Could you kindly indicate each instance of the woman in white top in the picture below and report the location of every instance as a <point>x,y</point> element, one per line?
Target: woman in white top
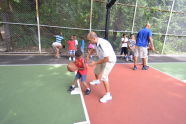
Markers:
<point>124,46</point>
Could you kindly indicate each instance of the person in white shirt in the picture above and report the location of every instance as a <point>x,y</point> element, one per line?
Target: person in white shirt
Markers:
<point>76,41</point>
<point>124,46</point>
<point>104,65</point>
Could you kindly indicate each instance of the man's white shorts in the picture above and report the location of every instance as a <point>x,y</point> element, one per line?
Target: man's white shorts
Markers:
<point>105,69</point>
<point>55,44</point>
<point>142,52</point>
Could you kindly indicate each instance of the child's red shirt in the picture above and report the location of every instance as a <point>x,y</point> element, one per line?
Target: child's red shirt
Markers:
<point>71,45</point>
<point>79,63</point>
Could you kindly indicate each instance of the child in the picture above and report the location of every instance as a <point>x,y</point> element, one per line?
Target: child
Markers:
<point>76,41</point>
<point>57,44</point>
<point>71,48</point>
<point>81,73</point>
<point>131,44</point>
<point>90,46</point>
<point>124,46</point>
<point>82,44</point>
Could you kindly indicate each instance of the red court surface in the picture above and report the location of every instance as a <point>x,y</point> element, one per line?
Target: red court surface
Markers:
<point>139,97</point>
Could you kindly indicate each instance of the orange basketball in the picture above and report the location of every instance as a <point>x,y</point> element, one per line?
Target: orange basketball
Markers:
<point>72,67</point>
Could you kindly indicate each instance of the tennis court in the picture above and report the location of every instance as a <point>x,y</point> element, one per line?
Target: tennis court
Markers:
<point>37,93</point>
<point>34,83</point>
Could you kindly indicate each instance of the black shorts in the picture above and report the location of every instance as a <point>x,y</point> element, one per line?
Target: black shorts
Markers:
<point>124,50</point>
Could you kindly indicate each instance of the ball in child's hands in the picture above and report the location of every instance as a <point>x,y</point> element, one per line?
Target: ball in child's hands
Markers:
<point>72,67</point>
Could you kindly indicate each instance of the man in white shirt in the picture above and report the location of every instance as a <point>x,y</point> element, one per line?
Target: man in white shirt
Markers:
<point>104,65</point>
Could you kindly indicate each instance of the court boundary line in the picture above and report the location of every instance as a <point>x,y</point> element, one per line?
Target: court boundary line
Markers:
<point>84,105</point>
<point>30,64</point>
<point>79,91</point>
<point>183,81</point>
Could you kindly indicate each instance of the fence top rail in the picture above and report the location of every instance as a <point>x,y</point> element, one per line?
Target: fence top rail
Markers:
<point>86,29</point>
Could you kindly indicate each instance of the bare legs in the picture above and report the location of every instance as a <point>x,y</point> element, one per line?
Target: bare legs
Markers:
<point>106,84</point>
<point>57,51</point>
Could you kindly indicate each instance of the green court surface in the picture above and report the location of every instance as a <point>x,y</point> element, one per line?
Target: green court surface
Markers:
<point>38,95</point>
<point>176,70</point>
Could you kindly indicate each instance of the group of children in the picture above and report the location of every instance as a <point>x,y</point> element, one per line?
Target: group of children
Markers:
<point>72,46</point>
<point>127,47</point>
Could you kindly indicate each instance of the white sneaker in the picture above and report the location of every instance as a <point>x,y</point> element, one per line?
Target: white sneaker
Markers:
<point>106,98</point>
<point>70,59</point>
<point>95,82</point>
<point>127,59</point>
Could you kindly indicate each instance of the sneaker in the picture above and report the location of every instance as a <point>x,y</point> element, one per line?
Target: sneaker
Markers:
<point>71,88</point>
<point>127,59</point>
<point>87,91</point>
<point>95,82</point>
<point>145,67</point>
<point>135,68</point>
<point>106,98</point>
<point>70,59</point>
<point>58,57</point>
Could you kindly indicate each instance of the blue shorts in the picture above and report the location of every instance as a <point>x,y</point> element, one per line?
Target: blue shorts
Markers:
<point>82,77</point>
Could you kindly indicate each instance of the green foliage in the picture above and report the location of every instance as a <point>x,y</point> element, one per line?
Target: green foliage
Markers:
<point>17,1</point>
<point>76,14</point>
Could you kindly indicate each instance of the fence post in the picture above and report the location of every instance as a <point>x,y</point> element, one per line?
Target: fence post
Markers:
<point>91,8</point>
<point>168,27</point>
<point>38,26</point>
<point>134,17</point>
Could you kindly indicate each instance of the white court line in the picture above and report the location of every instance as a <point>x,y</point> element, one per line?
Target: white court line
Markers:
<point>32,64</point>
<point>183,81</point>
<point>166,62</point>
<point>76,91</point>
<point>79,91</point>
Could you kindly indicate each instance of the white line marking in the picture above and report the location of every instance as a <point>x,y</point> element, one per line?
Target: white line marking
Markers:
<point>183,81</point>
<point>76,91</point>
<point>167,62</point>
<point>79,91</point>
<point>32,64</point>
<point>83,122</point>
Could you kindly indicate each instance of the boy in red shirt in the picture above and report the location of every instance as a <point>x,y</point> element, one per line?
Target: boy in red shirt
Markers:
<point>71,48</point>
<point>81,73</point>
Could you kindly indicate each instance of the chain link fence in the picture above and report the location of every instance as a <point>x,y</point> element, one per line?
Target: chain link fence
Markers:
<point>19,24</point>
